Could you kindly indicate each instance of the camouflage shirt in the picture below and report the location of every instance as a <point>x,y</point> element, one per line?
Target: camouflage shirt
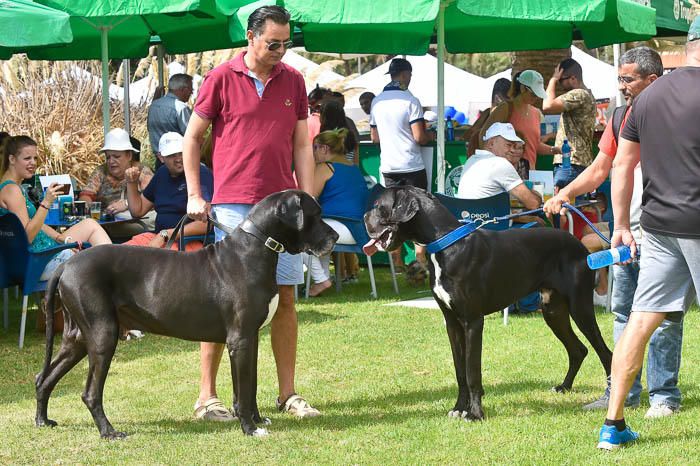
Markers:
<point>576,124</point>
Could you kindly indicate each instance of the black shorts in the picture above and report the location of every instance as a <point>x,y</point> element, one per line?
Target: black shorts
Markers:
<point>418,179</point>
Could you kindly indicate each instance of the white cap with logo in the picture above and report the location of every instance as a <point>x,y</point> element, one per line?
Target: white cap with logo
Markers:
<point>505,130</point>
<point>533,80</point>
<point>118,139</point>
<point>170,143</point>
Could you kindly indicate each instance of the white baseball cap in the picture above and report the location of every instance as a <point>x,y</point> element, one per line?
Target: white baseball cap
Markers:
<point>505,130</point>
<point>534,81</point>
<point>118,139</point>
<point>170,143</point>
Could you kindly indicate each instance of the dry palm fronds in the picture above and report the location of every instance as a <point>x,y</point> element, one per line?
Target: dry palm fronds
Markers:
<point>59,105</point>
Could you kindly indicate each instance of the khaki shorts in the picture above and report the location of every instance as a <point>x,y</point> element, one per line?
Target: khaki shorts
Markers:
<point>669,274</point>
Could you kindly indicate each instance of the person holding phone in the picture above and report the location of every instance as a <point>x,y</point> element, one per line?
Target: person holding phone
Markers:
<point>18,162</point>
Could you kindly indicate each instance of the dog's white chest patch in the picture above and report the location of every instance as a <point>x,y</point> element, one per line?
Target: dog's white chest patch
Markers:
<point>438,289</point>
<point>271,309</point>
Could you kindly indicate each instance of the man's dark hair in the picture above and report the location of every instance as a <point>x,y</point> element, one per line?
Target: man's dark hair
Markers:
<point>257,19</point>
<point>648,61</point>
<point>368,95</point>
<point>178,81</point>
<point>572,68</point>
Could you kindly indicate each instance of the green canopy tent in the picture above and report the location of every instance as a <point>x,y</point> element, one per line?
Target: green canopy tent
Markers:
<point>673,17</point>
<point>26,24</point>
<point>105,29</point>
<point>390,27</point>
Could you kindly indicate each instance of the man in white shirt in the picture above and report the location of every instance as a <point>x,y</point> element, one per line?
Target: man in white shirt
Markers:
<point>396,123</point>
<point>488,172</point>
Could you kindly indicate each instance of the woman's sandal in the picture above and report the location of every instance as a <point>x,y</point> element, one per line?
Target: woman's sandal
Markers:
<point>213,410</point>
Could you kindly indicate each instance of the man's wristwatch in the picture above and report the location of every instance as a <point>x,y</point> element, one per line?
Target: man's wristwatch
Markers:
<point>164,234</point>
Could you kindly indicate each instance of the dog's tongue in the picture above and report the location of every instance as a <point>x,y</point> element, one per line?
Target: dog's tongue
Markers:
<point>370,248</point>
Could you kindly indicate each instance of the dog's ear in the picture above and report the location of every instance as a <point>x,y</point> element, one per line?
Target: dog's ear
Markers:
<point>405,206</point>
<point>291,213</point>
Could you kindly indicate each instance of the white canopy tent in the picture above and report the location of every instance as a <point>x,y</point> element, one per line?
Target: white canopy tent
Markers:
<point>313,73</point>
<point>461,87</point>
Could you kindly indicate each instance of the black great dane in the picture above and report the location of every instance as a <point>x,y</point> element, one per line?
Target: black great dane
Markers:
<point>222,293</point>
<point>472,278</point>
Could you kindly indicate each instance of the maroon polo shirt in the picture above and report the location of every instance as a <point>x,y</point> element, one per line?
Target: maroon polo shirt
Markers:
<point>252,137</point>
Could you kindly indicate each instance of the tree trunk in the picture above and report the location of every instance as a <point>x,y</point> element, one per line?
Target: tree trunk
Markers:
<point>543,61</point>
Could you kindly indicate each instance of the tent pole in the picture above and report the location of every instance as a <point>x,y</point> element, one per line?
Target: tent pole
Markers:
<point>104,32</point>
<point>161,72</point>
<point>126,69</point>
<point>441,99</point>
<point>616,64</point>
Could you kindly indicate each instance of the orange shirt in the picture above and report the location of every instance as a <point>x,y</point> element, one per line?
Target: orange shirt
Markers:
<point>528,124</point>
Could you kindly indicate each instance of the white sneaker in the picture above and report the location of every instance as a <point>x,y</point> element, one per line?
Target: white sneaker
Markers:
<point>599,299</point>
<point>660,410</point>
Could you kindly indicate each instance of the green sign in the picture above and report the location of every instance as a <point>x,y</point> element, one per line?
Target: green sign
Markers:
<point>673,15</point>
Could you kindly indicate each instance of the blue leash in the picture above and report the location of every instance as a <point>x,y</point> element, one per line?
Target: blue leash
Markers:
<point>470,226</point>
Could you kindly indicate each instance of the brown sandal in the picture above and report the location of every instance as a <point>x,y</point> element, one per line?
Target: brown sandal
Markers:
<point>213,410</point>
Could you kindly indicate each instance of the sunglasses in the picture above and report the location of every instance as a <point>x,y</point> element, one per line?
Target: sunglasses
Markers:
<point>626,79</point>
<point>273,45</point>
<point>564,78</point>
<point>318,146</point>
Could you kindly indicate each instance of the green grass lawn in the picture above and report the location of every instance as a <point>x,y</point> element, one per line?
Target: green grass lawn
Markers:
<point>383,378</point>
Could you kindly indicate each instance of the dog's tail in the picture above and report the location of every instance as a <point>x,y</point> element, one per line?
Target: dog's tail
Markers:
<point>50,306</point>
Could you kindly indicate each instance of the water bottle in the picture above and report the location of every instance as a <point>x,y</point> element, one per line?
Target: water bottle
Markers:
<point>566,155</point>
<point>601,259</point>
<point>450,129</point>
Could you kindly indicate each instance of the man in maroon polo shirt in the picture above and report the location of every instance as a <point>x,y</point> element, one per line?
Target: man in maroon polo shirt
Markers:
<point>257,107</point>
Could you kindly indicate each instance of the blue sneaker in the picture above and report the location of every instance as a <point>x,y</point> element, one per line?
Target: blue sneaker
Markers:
<point>610,438</point>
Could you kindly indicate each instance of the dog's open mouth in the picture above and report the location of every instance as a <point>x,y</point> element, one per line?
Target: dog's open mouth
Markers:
<point>380,243</point>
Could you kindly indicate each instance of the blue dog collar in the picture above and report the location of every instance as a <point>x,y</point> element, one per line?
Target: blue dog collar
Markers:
<point>451,238</point>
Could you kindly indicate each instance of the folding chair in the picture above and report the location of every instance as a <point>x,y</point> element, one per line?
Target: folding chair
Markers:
<point>482,209</point>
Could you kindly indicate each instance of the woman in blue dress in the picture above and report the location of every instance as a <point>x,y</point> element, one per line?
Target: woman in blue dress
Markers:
<point>18,162</point>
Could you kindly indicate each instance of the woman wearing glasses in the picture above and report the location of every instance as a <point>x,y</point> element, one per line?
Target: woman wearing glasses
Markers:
<point>107,184</point>
<point>520,111</point>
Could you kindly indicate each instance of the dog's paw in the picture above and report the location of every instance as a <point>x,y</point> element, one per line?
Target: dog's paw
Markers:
<point>260,432</point>
<point>560,389</point>
<point>114,435</point>
<point>46,423</point>
<point>466,415</point>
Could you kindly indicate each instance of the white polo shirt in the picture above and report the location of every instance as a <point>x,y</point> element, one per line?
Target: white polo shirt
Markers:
<point>485,175</point>
<point>393,112</point>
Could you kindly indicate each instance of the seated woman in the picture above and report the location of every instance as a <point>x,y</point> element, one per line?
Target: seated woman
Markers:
<point>18,163</point>
<point>340,189</point>
<point>107,184</point>
<point>167,192</point>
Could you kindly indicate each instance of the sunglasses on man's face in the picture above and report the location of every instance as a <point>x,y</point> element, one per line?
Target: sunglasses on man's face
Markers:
<point>626,79</point>
<point>273,45</point>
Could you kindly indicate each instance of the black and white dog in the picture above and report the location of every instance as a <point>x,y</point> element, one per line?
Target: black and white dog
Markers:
<point>223,293</point>
<point>474,277</point>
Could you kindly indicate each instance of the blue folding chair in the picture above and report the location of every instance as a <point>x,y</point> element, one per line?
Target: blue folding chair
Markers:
<point>483,209</point>
<point>479,209</point>
<point>20,266</point>
<point>360,238</point>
